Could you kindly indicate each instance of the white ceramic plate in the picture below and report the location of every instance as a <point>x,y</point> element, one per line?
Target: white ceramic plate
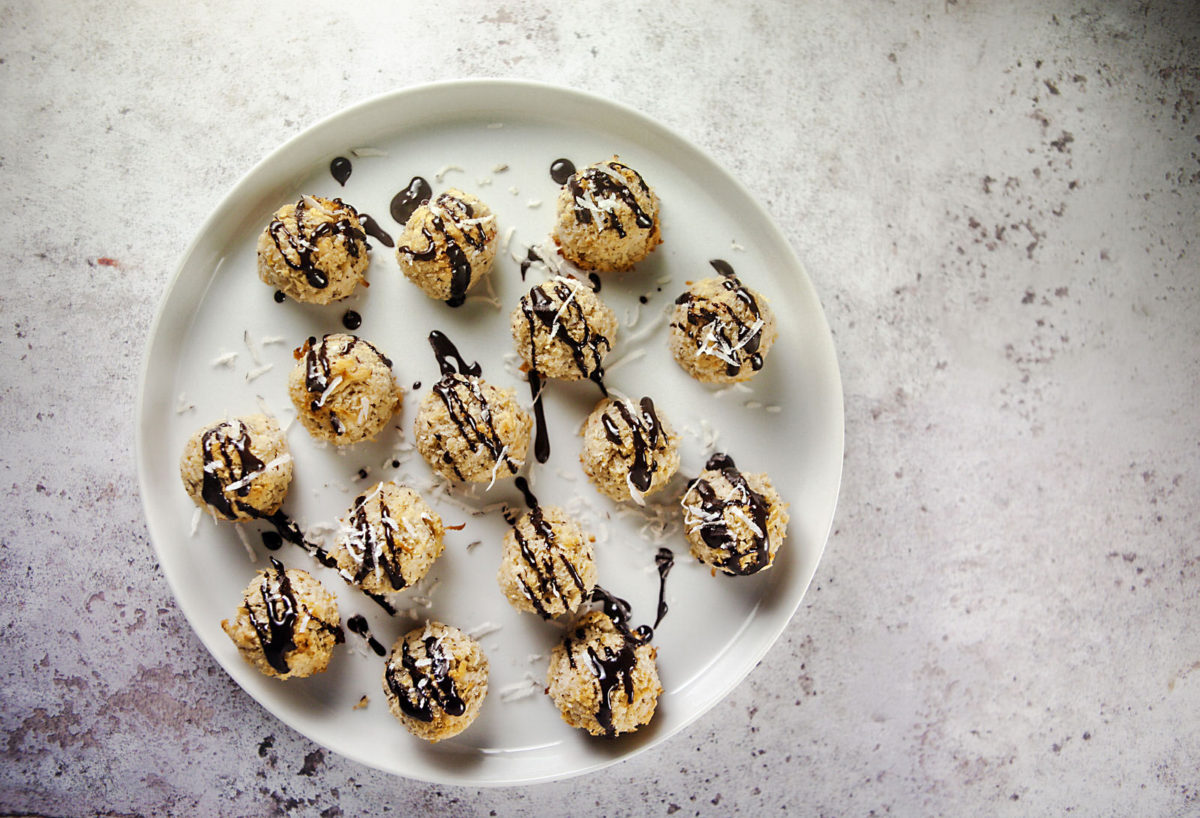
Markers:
<point>717,628</point>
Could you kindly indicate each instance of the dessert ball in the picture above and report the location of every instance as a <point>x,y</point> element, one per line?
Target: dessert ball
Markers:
<point>629,450</point>
<point>734,522</point>
<point>435,681</point>
<point>607,217</point>
<point>238,469</point>
<point>343,389</point>
<point>469,430</point>
<point>563,330</point>
<point>721,330</point>
<point>287,624</point>
<point>314,250</point>
<point>448,245</point>
<point>547,567</point>
<point>389,539</point>
<point>602,679</point>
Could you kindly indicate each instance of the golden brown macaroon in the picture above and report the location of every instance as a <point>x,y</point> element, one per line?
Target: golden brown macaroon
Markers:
<point>435,680</point>
<point>563,330</point>
<point>314,250</point>
<point>389,539</point>
<point>468,430</point>
<point>606,217</point>
<point>448,245</point>
<point>343,389</point>
<point>287,624</point>
<point>238,469</point>
<point>629,450</point>
<point>734,522</point>
<point>547,567</point>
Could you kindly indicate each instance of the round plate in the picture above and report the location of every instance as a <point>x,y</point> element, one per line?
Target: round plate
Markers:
<point>496,139</point>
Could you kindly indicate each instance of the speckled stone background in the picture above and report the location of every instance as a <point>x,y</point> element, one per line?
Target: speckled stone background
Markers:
<point>998,203</point>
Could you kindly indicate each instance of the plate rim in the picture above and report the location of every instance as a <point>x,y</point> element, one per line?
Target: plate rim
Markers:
<point>393,98</point>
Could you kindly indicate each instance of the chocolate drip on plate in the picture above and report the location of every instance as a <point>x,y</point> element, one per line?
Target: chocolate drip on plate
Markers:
<point>351,320</point>
<point>297,248</point>
<point>430,684</point>
<point>358,624</point>
<point>561,170</point>
<point>340,169</point>
<point>406,202</point>
<point>541,437</point>
<point>531,258</point>
<point>372,229</point>
<point>664,560</point>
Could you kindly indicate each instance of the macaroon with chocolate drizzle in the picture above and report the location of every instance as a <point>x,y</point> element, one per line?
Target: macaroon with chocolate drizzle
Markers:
<point>314,250</point>
<point>287,624</point>
<point>562,330</point>
<point>547,566</point>
<point>466,429</point>
<point>435,681</point>
<point>448,245</point>
<point>606,217</point>
<point>602,676</point>
<point>721,330</point>
<point>238,469</point>
<point>389,539</point>
<point>343,388</point>
<point>629,450</point>
<point>734,522</point>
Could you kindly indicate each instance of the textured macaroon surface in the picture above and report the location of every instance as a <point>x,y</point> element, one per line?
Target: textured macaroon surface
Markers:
<point>343,389</point>
<point>238,469</point>
<point>629,448</point>
<point>563,330</point>
<point>287,624</point>
<point>435,680</point>
<point>468,430</point>
<point>547,566</point>
<point>606,217</point>
<point>314,250</point>
<point>601,680</point>
<point>733,521</point>
<point>721,330</point>
<point>389,539</point>
<point>448,245</point>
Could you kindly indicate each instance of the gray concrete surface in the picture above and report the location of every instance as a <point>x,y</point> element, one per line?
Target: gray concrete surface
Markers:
<point>998,203</point>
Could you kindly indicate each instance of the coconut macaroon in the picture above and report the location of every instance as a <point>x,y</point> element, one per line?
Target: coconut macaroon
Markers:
<point>734,522</point>
<point>603,678</point>
<point>287,624</point>
<point>607,217</point>
<point>343,389</point>
<point>238,469</point>
<point>563,330</point>
<point>721,330</point>
<point>447,245</point>
<point>547,566</point>
<point>469,430</point>
<point>314,250</point>
<point>389,539</point>
<point>629,450</point>
<point>435,680</point>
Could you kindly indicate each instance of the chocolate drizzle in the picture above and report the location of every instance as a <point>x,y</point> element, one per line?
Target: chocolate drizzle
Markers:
<point>709,517</point>
<point>731,339</point>
<point>373,554</point>
<point>226,447</point>
<point>406,202</point>
<point>541,436</point>
<point>542,556</point>
<point>340,169</point>
<point>430,684</point>
<point>277,634</point>
<point>646,430</point>
<point>297,248</point>
<point>606,180</point>
<point>460,390</point>
<point>351,320</point>
<point>531,258</point>
<point>469,229</point>
<point>561,170</point>
<point>358,624</point>
<point>372,229</point>
<point>664,560</point>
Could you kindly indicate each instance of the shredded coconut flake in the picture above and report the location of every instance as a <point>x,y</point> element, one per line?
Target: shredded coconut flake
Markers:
<point>520,690</point>
<point>483,181</point>
<point>441,174</point>
<point>183,406</point>
<point>196,521</point>
<point>514,190</point>
<point>508,234</point>
<point>500,168</point>
<point>250,345</point>
<point>753,404</point>
<point>365,152</point>
<point>533,204</point>
<point>273,339</point>
<point>258,372</point>
<point>482,630</point>
<point>630,358</point>
<point>246,543</point>
<point>773,409</point>
<point>225,360</point>
<point>733,245</point>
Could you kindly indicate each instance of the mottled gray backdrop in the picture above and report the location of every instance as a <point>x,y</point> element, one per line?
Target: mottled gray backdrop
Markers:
<point>998,203</point>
